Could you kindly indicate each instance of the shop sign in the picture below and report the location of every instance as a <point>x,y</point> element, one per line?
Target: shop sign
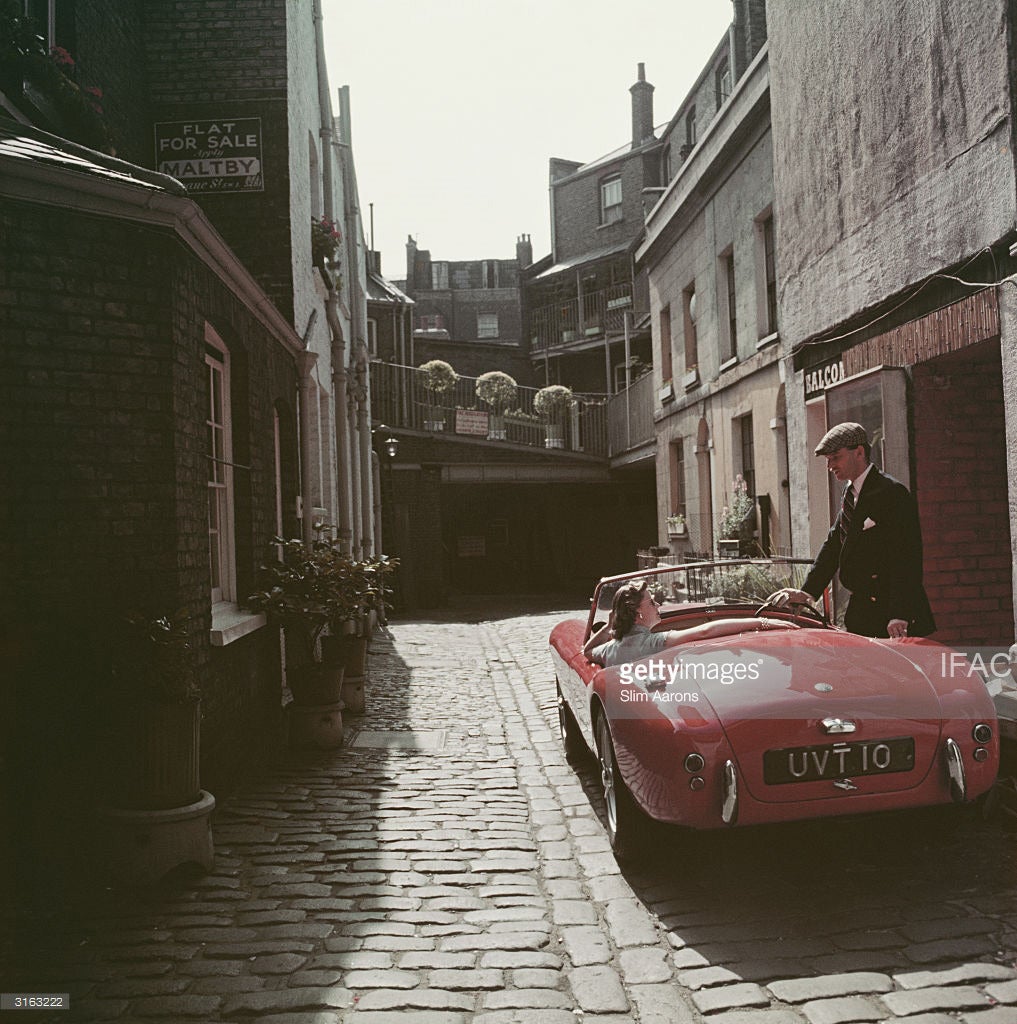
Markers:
<point>820,378</point>
<point>222,155</point>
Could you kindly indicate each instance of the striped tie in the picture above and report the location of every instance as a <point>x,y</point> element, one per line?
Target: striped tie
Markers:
<point>847,511</point>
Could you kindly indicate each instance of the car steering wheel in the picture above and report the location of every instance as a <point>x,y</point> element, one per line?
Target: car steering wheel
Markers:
<point>799,609</point>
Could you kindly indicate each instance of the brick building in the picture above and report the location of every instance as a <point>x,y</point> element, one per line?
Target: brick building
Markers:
<point>155,304</point>
<point>893,190</point>
<point>586,309</point>
<point>468,312</point>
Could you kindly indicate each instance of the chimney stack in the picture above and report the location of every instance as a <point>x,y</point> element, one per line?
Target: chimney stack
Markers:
<point>524,251</point>
<point>642,109</point>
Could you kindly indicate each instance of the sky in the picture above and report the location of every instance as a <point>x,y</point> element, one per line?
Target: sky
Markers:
<point>458,105</point>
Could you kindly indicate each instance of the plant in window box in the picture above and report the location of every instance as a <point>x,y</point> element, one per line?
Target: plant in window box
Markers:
<point>551,404</point>
<point>437,378</point>
<point>499,391</point>
<point>676,525</point>
<point>49,83</point>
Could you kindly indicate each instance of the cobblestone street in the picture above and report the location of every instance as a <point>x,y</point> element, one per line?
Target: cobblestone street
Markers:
<point>447,866</point>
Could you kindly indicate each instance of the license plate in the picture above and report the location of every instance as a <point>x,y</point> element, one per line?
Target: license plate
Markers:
<point>838,760</point>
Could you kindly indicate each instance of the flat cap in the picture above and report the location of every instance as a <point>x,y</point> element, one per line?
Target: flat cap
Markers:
<point>844,435</point>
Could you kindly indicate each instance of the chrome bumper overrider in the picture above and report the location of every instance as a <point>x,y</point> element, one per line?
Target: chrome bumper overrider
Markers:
<point>955,769</point>
<point>729,808</point>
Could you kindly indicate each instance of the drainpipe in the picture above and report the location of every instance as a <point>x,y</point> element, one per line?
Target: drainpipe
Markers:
<point>355,481</point>
<point>342,442</point>
<point>366,472</point>
<point>326,133</point>
<point>305,367</point>
<point>376,478</point>
<point>358,318</point>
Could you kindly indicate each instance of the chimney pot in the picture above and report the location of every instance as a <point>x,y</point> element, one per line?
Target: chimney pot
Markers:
<point>642,108</point>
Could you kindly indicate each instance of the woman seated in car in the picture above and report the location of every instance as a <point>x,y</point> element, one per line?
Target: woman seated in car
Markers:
<point>628,634</point>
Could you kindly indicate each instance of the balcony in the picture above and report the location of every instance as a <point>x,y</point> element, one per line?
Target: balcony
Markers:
<point>585,319</point>
<point>630,418</point>
<point>399,400</point>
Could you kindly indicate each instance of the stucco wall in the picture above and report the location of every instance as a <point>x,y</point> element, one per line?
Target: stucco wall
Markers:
<point>737,191</point>
<point>892,148</point>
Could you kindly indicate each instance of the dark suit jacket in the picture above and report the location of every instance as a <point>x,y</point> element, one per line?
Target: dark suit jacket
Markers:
<point>881,565</point>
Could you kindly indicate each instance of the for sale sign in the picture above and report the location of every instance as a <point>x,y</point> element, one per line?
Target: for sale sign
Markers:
<point>222,155</point>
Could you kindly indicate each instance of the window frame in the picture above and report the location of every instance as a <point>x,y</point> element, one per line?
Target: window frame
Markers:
<point>220,484</point>
<point>665,344</point>
<point>485,334</point>
<point>727,301</point>
<point>691,333</point>
<point>439,276</point>
<point>677,495</point>
<point>770,272</point>
<point>722,82</point>
<point>747,452</point>
<point>611,213</point>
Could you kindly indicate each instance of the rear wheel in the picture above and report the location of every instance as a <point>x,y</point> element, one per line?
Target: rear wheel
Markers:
<point>571,738</point>
<point>625,821</point>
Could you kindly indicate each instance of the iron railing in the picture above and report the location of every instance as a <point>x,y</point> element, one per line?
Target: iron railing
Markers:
<point>630,417</point>
<point>399,399</point>
<point>585,318</point>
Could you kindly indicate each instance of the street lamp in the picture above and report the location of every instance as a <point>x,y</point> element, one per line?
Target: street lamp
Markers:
<point>391,445</point>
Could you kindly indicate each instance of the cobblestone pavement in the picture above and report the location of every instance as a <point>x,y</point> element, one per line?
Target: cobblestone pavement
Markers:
<point>470,880</point>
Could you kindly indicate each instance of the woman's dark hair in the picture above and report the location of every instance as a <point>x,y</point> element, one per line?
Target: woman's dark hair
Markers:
<point>625,606</point>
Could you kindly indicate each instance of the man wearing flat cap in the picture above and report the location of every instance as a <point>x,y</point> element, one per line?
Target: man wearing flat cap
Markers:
<point>875,545</point>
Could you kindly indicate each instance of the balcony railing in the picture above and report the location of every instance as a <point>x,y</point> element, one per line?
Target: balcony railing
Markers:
<point>578,320</point>
<point>399,399</point>
<point>630,417</point>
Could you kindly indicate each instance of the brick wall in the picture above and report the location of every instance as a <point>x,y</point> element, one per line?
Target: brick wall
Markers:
<point>577,208</point>
<point>472,359</point>
<point>104,473</point>
<point>198,52</point>
<point>961,483</point>
<point>111,51</point>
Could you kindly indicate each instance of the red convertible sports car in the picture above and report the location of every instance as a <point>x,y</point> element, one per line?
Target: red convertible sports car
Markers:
<point>760,714</point>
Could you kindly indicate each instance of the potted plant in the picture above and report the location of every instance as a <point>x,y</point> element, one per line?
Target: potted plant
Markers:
<point>551,404</point>
<point>499,391</point>
<point>158,815</point>
<point>437,378</point>
<point>302,592</point>
<point>325,240</point>
<point>735,526</point>
<point>366,589</point>
<point>676,525</point>
<point>155,712</point>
